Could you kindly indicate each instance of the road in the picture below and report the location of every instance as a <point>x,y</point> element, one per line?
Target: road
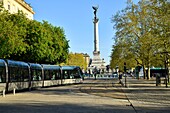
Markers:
<point>93,96</point>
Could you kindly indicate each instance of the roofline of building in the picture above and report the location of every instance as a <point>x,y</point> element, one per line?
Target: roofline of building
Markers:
<point>25,5</point>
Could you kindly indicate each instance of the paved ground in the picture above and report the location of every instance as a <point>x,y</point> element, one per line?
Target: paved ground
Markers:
<point>64,99</point>
<point>146,97</point>
<point>93,96</point>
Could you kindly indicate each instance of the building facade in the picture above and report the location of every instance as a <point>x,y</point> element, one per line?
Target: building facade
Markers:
<point>13,6</point>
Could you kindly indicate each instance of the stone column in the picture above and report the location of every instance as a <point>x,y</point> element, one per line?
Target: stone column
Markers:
<point>97,62</point>
<point>96,35</point>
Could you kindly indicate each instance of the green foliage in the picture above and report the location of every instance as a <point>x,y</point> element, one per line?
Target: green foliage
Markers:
<point>37,43</point>
<point>11,39</point>
<point>30,40</point>
<point>47,43</point>
<point>1,6</point>
<point>142,33</point>
<point>76,60</point>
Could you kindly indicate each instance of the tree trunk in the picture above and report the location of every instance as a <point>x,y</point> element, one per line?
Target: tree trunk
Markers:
<point>144,71</point>
<point>149,73</point>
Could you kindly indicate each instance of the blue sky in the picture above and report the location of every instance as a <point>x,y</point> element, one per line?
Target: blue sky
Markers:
<point>76,18</point>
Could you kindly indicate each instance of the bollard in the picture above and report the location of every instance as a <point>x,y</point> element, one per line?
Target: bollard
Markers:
<point>14,91</point>
<point>3,93</point>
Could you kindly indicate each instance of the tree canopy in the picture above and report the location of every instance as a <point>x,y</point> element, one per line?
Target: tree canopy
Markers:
<point>142,34</point>
<point>77,59</point>
<point>30,40</point>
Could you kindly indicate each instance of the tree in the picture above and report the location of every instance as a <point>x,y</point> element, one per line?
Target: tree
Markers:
<point>58,44</point>
<point>161,24</point>
<point>37,43</point>
<point>121,54</point>
<point>10,40</point>
<point>136,26</point>
<point>125,24</point>
<point>47,43</point>
<point>62,45</point>
<point>20,21</point>
<point>30,40</point>
<point>1,6</point>
<point>76,59</point>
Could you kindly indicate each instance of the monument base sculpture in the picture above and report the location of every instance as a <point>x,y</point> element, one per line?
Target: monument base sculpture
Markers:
<point>97,61</point>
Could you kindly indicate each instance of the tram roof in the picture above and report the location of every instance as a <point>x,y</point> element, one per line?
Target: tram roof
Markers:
<point>69,67</point>
<point>2,62</point>
<point>35,66</point>
<point>50,67</point>
<point>17,63</point>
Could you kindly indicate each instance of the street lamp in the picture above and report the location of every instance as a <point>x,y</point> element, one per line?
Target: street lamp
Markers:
<point>166,63</point>
<point>125,73</point>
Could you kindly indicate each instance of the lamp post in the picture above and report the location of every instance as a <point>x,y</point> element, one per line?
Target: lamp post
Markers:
<point>166,68</point>
<point>166,62</point>
<point>125,73</point>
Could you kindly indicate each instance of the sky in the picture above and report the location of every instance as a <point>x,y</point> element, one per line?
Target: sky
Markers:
<point>76,18</point>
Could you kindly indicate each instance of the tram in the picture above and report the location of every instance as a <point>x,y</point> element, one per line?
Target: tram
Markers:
<point>20,75</point>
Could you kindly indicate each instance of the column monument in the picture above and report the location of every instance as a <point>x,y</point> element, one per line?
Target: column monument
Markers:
<point>97,62</point>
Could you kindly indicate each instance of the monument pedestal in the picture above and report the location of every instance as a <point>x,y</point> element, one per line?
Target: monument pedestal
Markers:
<point>97,61</point>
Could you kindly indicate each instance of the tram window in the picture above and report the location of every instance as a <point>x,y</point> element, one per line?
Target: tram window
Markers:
<point>18,74</point>
<point>53,75</point>
<point>72,75</point>
<point>24,74</point>
<point>39,73</point>
<point>58,76</point>
<point>33,75</point>
<point>36,75</point>
<point>2,75</point>
<point>76,73</point>
<point>69,73</point>
<point>66,74</point>
<point>47,75</point>
<point>11,74</point>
